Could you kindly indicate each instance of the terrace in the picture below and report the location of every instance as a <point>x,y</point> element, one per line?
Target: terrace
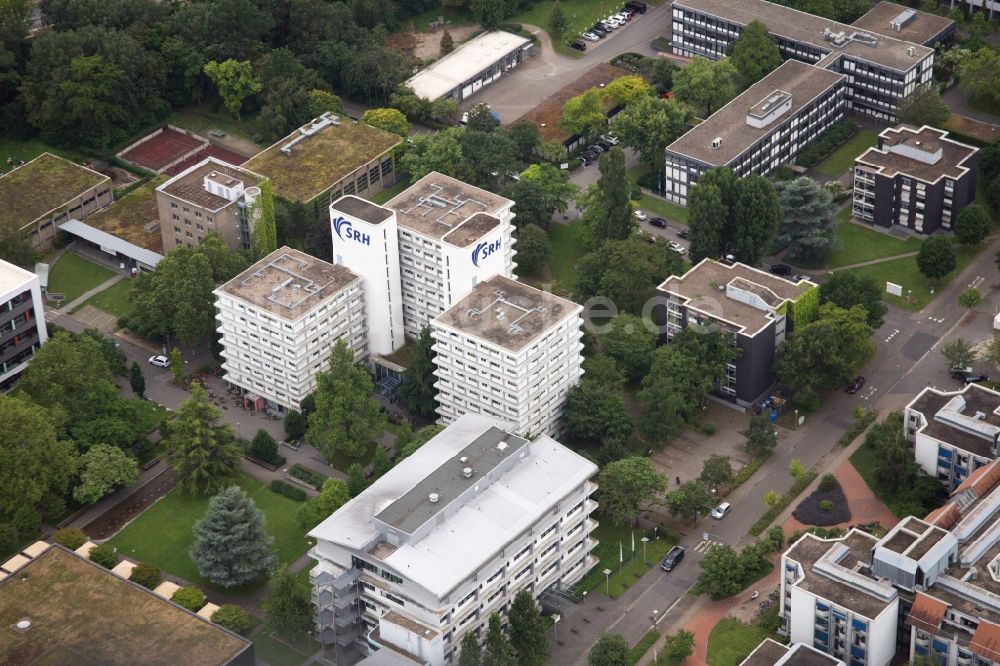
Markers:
<point>43,184</point>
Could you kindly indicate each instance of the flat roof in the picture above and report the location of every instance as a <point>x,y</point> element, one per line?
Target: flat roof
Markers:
<point>288,283</point>
<point>104,239</point>
<point>919,28</point>
<point>766,654</point>
<point>362,209</point>
<point>318,162</point>
<point>436,205</point>
<point>977,399</point>
<point>134,218</point>
<point>465,62</point>
<point>507,313</point>
<point>14,277</point>
<point>81,613</point>
<point>927,139</point>
<point>700,287</point>
<point>42,185</point>
<point>189,185</point>
<point>810,29</point>
<point>802,81</point>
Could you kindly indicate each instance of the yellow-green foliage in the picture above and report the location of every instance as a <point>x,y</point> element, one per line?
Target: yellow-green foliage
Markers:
<point>805,308</point>
<point>264,237</point>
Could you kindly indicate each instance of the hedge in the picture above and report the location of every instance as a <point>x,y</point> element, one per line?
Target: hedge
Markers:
<point>642,647</point>
<point>146,574</point>
<point>858,427</point>
<point>313,478</point>
<point>105,555</point>
<point>189,597</point>
<point>816,150</point>
<point>288,490</point>
<point>70,537</point>
<point>800,484</point>
<point>233,618</point>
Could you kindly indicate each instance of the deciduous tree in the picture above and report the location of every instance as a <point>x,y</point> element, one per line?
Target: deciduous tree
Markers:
<point>609,650</point>
<point>923,106</point>
<point>102,469</point>
<point>761,437</point>
<point>596,411</point>
<point>626,272</point>
<point>584,114</point>
<point>630,342</point>
<point>970,298</point>
<point>959,353</point>
<point>321,101</point>
<point>716,470</point>
<point>527,631</point>
<point>845,290</point>
<point>972,225</point>
<point>756,219</point>
<point>235,81</point>
<point>533,248</point>
<point>609,213</point>
<point>678,647</point>
<point>288,608</point>
<point>979,76</point>
<point>558,24</point>
<point>627,487</point>
<point>754,54</point>
<point>391,120</point>
<point>649,124</point>
<point>627,90</point>
<point>317,509</point>
<point>136,380</point>
<point>936,257</point>
<point>417,392</point>
<point>704,84</point>
<point>231,547</point>
<point>688,500</point>
<point>206,456</point>
<point>541,191</point>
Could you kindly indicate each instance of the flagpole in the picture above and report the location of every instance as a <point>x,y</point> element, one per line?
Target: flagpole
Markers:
<point>621,559</point>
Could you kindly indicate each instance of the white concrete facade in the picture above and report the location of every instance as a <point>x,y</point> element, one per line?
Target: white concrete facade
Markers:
<point>280,319</point>
<point>22,320</point>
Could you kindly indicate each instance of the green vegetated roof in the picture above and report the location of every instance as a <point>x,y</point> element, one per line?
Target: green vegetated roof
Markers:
<point>44,183</point>
<point>129,216</point>
<point>318,162</point>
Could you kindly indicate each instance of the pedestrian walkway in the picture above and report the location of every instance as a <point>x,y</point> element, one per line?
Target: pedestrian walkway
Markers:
<point>880,260</point>
<point>87,295</point>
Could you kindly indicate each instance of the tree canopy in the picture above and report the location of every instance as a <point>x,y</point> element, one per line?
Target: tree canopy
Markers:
<point>628,486</point>
<point>754,54</point>
<point>845,289</point>
<point>807,226</point>
<point>923,106</point>
<point>231,547</point>
<point>937,257</point>
<point>206,456</point>
<point>705,84</point>
<point>417,392</point>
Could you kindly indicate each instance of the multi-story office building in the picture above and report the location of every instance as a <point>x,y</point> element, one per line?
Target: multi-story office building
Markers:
<point>954,433</point>
<point>509,351</point>
<point>916,178</point>
<point>762,128</point>
<point>749,305</point>
<point>772,653</point>
<point>22,321</point>
<point>919,28</point>
<point>211,196</point>
<point>452,236</point>
<point>881,68</point>
<point>449,536</point>
<point>279,320</point>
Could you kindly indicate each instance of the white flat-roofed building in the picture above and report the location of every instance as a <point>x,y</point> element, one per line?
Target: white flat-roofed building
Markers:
<point>452,236</point>
<point>449,536</point>
<point>22,321</point>
<point>279,320</point>
<point>510,351</point>
<point>476,63</point>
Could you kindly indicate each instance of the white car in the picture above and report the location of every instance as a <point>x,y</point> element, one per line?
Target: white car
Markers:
<point>720,511</point>
<point>677,247</point>
<point>591,37</point>
<point>159,361</point>
<point>610,138</point>
<point>640,215</point>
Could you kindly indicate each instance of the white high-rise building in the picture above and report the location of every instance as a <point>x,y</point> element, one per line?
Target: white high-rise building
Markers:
<point>22,321</point>
<point>448,537</point>
<point>511,351</point>
<point>279,320</point>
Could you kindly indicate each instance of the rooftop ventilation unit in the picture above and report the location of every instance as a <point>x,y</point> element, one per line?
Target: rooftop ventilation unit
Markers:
<point>717,142</point>
<point>22,625</point>
<point>433,498</point>
<point>325,120</point>
<point>910,51</point>
<point>463,459</point>
<point>467,472</point>
<point>902,19</point>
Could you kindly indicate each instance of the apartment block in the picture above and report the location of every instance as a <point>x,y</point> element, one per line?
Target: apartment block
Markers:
<point>211,196</point>
<point>752,307</point>
<point>448,537</point>
<point>915,178</point>
<point>279,321</point>
<point>22,321</point>
<point>762,128</point>
<point>772,653</point>
<point>881,66</point>
<point>509,351</point>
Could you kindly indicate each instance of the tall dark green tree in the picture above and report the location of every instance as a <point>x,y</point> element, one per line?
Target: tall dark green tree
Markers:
<point>627,487</point>
<point>706,221</point>
<point>846,289</point>
<point>609,650</point>
<point>136,380</point>
<point>754,54</point>
<point>533,248</point>
<point>937,257</point>
<point>626,272</point>
<point>497,648</point>
<point>756,219</point>
<point>807,226</point>
<point>470,653</point>
<point>527,631</point>
<point>596,411</point>
<point>923,106</point>
<point>231,547</point>
<point>206,456</point>
<point>972,225</point>
<point>489,13</point>
<point>609,213</point>
<point>288,608</point>
<point>558,23</point>
<point>630,342</point>
<point>416,392</point>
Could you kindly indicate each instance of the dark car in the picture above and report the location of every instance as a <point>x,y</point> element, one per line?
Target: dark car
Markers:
<point>599,30</point>
<point>672,559</point>
<point>606,145</point>
<point>780,269</point>
<point>973,377</point>
<point>856,385</point>
<point>578,45</point>
<point>658,222</point>
<point>682,234</point>
<point>637,7</point>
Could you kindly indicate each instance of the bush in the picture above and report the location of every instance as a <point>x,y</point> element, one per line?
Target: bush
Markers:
<point>296,425</point>
<point>650,180</point>
<point>826,505</point>
<point>263,447</point>
<point>189,597</point>
<point>8,537</point>
<point>105,555</point>
<point>862,420</point>
<point>70,537</point>
<point>147,575</point>
<point>708,428</point>
<point>233,618</point>
<point>312,477</point>
<point>288,490</point>
<point>640,649</point>
<point>828,482</point>
<point>800,484</point>
<point>814,151</point>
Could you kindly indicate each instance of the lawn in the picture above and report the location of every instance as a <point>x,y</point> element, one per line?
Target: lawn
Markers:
<point>567,249</point>
<point>201,120</point>
<point>114,299</point>
<point>859,243</point>
<point>731,641</point>
<point>842,159</point>
<point>29,150</point>
<point>389,192</point>
<point>277,650</point>
<point>580,15</point>
<point>657,206</point>
<point>163,533</point>
<point>73,275</point>
<point>611,538</point>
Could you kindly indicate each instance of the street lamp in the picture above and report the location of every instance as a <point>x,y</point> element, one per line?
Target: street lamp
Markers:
<point>607,582</point>
<point>644,541</point>
<point>555,623</point>
<point>796,419</point>
<point>239,434</point>
<point>656,618</point>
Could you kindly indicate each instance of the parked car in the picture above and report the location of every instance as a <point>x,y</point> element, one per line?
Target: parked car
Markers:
<point>800,278</point>
<point>579,45</point>
<point>658,222</point>
<point>588,155</point>
<point>590,37</point>
<point>672,559</point>
<point>159,361</point>
<point>610,138</point>
<point>640,214</point>
<point>720,511</point>
<point>677,247</point>
<point>638,7</point>
<point>599,30</point>
<point>597,148</point>
<point>606,145</point>
<point>856,385</point>
<point>973,377</point>
<point>682,234</point>
<point>782,270</point>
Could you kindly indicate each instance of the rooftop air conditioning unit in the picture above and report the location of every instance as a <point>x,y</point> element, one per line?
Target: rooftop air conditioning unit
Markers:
<point>910,51</point>
<point>717,142</point>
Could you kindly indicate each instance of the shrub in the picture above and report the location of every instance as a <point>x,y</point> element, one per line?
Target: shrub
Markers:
<point>640,649</point>
<point>800,484</point>
<point>296,424</point>
<point>708,428</point>
<point>8,537</point>
<point>650,180</point>
<point>263,447</point>
<point>233,618</point>
<point>70,537</point>
<point>288,490</point>
<point>312,477</point>
<point>146,574</point>
<point>106,555</point>
<point>189,597</point>
<point>828,482</point>
<point>826,505</point>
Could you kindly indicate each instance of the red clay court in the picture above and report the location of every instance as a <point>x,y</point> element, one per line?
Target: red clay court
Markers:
<point>217,152</point>
<point>163,149</point>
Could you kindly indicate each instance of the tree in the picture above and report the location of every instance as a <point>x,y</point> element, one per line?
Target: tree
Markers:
<point>146,574</point>
<point>488,157</point>
<point>106,555</point>
<point>497,648</point>
<point>936,258</point>
<point>103,468</point>
<point>558,24</point>
<point>263,447</point>
<point>233,618</point>
<point>488,13</point>
<point>444,110</point>
<point>979,76</point>
<point>421,437</point>
<point>991,352</point>
<point>707,216</point>
<point>527,631</point>
<point>649,124</point>
<point>761,437</point>
<point>722,572</point>
<point>970,298</point>
<point>584,114</point>
<point>374,72</point>
<point>771,498</point>
<point>136,380</point>
<point>845,290</point>
<point>716,470</point>
<point>923,106</point>
<point>689,500</point>
<point>380,462</point>
<point>296,425</point>
<point>317,509</point>
<point>231,547</point>
<point>176,366</point>
<point>609,650</point>
<point>416,391</point>
<point>807,226</point>
<point>958,352</point>
<point>796,468</point>
<point>479,118</point>
<point>679,646</point>
<point>235,81</point>
<point>609,214</point>
<point>972,225</point>
<point>391,120</point>
<point>533,249</point>
<point>626,272</point>
<point>754,54</point>
<point>322,101</point>
<point>541,191</point>
<point>347,419</point>
<point>470,653</point>
<point>69,537</point>
<point>206,456</point>
<point>597,411</point>
<point>190,598</point>
<point>704,84</point>
<point>630,342</point>
<point>756,219</point>
<point>284,100</point>
<point>447,44</point>
<point>626,90</point>
<point>525,134</point>
<point>356,480</point>
<point>602,369</point>
<point>627,486</point>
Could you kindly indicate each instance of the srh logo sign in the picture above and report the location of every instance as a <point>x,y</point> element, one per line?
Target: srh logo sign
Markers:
<point>342,227</point>
<point>484,250</point>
